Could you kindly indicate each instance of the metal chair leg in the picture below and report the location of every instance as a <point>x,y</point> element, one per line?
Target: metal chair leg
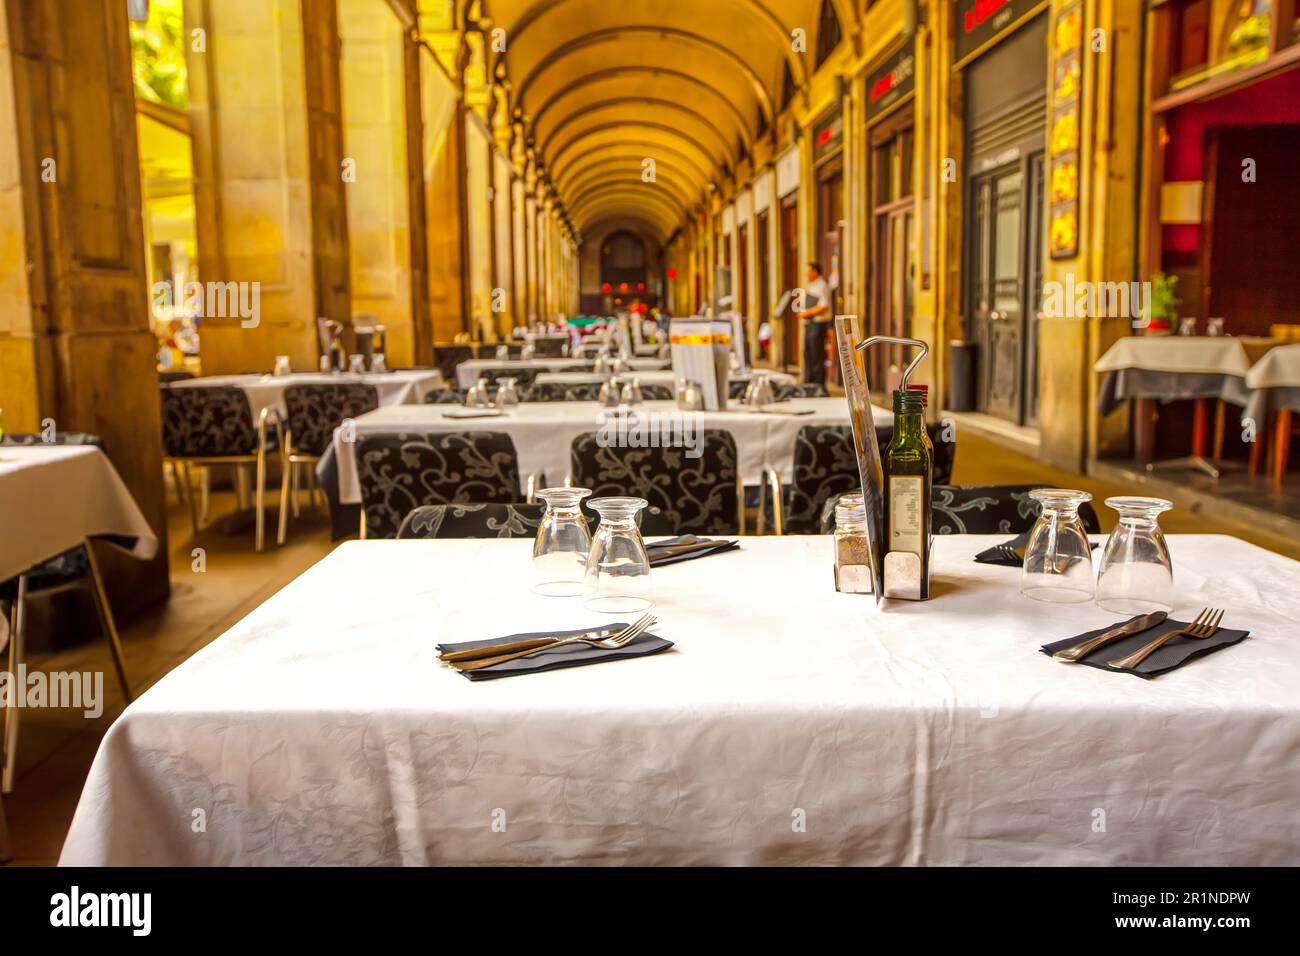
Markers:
<point>107,623</point>
<point>176,482</point>
<point>295,487</point>
<point>259,499</point>
<point>205,492</point>
<point>189,496</point>
<point>16,638</point>
<point>286,471</point>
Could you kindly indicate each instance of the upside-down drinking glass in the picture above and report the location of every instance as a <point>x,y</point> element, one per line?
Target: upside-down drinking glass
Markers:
<point>1058,558</point>
<point>562,545</point>
<point>618,571</point>
<point>1136,573</point>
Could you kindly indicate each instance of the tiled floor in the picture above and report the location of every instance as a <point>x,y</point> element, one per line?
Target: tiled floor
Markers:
<point>57,747</point>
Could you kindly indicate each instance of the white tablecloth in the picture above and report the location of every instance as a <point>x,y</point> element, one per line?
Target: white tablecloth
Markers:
<point>267,391</point>
<point>790,724</point>
<point>53,497</point>
<point>544,431</point>
<point>1221,354</point>
<point>1279,368</point>
<point>468,372</point>
<point>664,378</point>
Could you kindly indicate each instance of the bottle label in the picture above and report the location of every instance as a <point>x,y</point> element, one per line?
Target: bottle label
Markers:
<point>906,521</point>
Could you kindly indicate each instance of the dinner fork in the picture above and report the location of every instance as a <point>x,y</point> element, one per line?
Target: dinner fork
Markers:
<point>1007,553</point>
<point>1205,625</point>
<point>621,639</point>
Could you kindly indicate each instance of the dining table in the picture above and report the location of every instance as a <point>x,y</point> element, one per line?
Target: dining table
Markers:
<point>1207,369</point>
<point>54,497</point>
<point>405,386</point>
<point>787,723</point>
<point>469,371</point>
<point>665,378</point>
<point>543,432</point>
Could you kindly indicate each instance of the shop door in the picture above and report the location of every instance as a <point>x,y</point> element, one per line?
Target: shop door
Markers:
<point>790,278</point>
<point>893,295</point>
<point>997,289</point>
<point>762,262</point>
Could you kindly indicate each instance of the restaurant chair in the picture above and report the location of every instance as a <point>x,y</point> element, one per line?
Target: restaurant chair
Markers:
<point>801,390</point>
<point>213,425</point>
<point>477,520</point>
<point>76,568</point>
<point>686,495</point>
<point>315,411</point>
<point>166,378</point>
<point>445,396</point>
<point>657,393</point>
<point>980,509</point>
<point>825,466</point>
<point>523,376</point>
<point>736,389</point>
<point>447,357</point>
<point>401,472</point>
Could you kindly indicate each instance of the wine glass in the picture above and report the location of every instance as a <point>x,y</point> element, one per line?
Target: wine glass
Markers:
<point>562,545</point>
<point>1136,573</point>
<point>618,570</point>
<point>1058,559</point>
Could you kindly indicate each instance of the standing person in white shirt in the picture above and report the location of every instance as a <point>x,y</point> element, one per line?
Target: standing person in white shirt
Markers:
<point>816,318</point>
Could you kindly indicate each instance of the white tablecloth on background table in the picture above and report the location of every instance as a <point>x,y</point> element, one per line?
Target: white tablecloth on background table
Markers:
<point>267,391</point>
<point>1216,354</point>
<point>468,372</point>
<point>54,497</point>
<point>544,431</point>
<point>323,731</point>
<point>664,377</point>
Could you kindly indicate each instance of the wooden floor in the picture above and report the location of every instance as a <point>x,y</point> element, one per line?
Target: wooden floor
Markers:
<point>57,747</point>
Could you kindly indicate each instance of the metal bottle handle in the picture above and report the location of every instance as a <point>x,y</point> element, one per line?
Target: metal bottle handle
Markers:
<point>892,340</point>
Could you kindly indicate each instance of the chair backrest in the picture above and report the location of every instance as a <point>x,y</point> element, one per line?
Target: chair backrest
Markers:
<point>801,390</point>
<point>445,396</point>
<point>657,393</point>
<point>400,472</point>
<point>447,357</point>
<point>547,392</point>
<point>58,438</point>
<point>700,495</point>
<point>825,467</point>
<point>981,509</point>
<point>523,376</point>
<point>942,438</point>
<point>207,421</point>
<point>316,410</point>
<point>176,375</point>
<point>478,520</point>
<point>736,389</point>
<point>549,347</point>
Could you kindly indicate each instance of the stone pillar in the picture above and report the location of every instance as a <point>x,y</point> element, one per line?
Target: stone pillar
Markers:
<point>75,339</point>
<point>379,119</point>
<point>266,115</point>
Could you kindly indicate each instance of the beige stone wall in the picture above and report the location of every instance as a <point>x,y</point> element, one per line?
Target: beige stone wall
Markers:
<point>75,340</point>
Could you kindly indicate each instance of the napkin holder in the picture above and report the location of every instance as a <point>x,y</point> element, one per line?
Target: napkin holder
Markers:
<point>701,353</point>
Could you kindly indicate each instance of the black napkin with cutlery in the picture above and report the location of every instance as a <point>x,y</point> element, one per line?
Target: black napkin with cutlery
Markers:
<point>994,556</point>
<point>661,553</point>
<point>1170,657</point>
<point>545,659</point>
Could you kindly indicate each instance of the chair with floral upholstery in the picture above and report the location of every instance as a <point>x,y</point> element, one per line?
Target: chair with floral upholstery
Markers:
<point>208,425</point>
<point>980,509</point>
<point>315,411</point>
<point>700,495</point>
<point>401,472</point>
<point>800,390</point>
<point>477,520</point>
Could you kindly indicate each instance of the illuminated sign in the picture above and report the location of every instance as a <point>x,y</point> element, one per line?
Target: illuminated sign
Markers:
<point>892,82</point>
<point>982,21</point>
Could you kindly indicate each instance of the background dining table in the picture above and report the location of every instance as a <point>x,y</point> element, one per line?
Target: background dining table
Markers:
<point>543,432</point>
<point>664,378</point>
<point>405,387</point>
<point>468,372</point>
<point>54,497</point>
<point>789,724</point>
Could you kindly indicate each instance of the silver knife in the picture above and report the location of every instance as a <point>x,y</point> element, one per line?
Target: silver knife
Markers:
<point>1072,655</point>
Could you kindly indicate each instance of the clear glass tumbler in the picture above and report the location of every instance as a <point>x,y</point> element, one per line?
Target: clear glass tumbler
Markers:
<point>618,571</point>
<point>562,545</point>
<point>1136,574</point>
<point>1058,558</point>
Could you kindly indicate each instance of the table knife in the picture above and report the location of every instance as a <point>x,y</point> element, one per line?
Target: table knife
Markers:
<point>495,649</point>
<point>673,552</point>
<point>1141,623</point>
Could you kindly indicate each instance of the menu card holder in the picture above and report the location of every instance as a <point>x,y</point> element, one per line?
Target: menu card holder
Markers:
<point>870,470</point>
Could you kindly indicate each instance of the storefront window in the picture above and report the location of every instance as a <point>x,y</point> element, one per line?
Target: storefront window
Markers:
<point>1207,43</point>
<point>158,52</point>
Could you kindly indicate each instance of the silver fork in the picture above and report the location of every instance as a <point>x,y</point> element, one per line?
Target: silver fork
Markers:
<point>1008,553</point>
<point>1205,625</point>
<point>621,639</point>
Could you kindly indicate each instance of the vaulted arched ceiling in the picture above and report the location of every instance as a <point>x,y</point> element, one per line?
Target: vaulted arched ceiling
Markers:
<point>604,85</point>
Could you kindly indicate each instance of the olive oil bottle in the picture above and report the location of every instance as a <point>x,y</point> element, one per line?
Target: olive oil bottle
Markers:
<point>909,467</point>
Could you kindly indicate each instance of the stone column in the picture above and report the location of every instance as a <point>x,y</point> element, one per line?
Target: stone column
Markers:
<point>266,114</point>
<point>75,339</point>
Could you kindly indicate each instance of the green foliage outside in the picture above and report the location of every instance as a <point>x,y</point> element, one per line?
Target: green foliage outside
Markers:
<point>158,55</point>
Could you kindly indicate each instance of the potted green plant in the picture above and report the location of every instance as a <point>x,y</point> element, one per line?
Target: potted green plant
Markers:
<point>1162,308</point>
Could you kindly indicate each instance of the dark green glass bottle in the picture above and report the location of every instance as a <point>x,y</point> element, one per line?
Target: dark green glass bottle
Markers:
<point>909,467</point>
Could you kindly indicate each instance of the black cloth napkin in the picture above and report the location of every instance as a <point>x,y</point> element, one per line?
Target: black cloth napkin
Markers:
<point>570,655</point>
<point>1173,655</point>
<point>656,548</point>
<point>991,555</point>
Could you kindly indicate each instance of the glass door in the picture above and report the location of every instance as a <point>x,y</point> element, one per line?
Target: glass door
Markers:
<point>997,289</point>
